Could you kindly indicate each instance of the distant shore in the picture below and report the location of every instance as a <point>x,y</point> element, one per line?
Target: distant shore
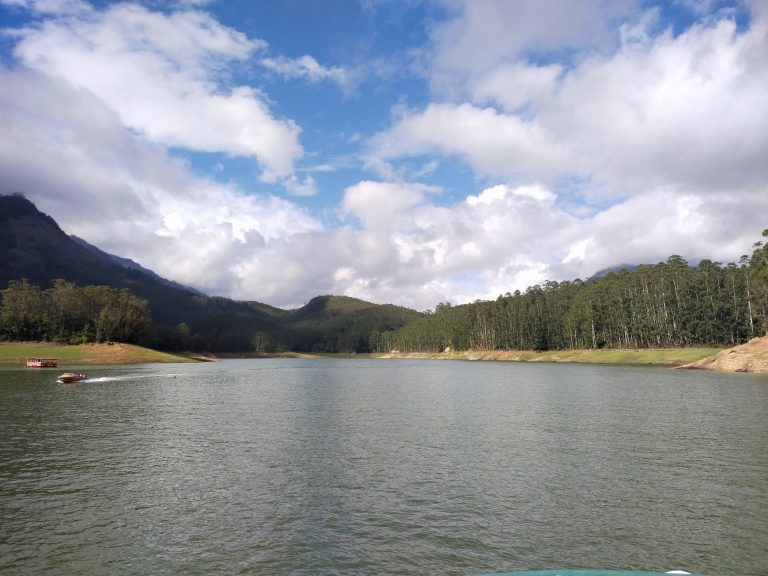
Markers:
<point>672,357</point>
<point>750,357</point>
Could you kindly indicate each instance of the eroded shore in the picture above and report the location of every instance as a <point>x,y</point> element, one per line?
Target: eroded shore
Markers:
<point>672,357</point>
<point>749,357</point>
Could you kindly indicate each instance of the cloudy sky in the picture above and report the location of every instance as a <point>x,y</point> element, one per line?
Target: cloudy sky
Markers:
<point>400,151</point>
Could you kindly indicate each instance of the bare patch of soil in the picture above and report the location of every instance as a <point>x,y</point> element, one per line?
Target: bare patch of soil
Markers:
<point>749,357</point>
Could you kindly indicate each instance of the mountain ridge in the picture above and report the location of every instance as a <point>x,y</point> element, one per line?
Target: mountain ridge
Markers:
<point>132,265</point>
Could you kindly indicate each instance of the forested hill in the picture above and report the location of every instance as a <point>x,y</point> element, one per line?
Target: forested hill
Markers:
<point>331,323</point>
<point>670,304</point>
<point>34,248</point>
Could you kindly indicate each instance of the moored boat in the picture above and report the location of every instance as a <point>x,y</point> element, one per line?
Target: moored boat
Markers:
<point>73,377</point>
<point>42,363</point>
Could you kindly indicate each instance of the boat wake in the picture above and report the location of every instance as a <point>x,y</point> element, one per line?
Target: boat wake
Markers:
<point>120,378</point>
<point>97,379</point>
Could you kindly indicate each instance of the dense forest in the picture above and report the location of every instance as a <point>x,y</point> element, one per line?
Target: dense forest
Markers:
<point>67,313</point>
<point>671,304</point>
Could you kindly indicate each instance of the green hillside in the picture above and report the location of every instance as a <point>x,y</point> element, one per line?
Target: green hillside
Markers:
<point>344,324</point>
<point>15,354</point>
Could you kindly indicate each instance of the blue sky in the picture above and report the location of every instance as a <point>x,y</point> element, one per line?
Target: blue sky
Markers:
<point>412,152</point>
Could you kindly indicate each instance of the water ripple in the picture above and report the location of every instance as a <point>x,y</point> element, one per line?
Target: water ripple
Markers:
<point>330,467</point>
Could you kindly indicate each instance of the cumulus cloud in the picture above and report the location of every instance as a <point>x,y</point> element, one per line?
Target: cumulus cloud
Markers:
<point>512,237</point>
<point>431,253</point>
<point>643,142</point>
<point>682,110</point>
<point>71,155</point>
<point>517,86</point>
<point>50,6</point>
<point>309,69</point>
<point>492,142</point>
<point>164,75</point>
<point>685,110</point>
<point>481,36</point>
<point>298,187</point>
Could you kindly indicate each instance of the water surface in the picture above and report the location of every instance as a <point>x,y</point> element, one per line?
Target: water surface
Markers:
<point>382,467</point>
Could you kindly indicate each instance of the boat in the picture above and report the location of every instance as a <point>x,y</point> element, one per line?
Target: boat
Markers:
<point>42,363</point>
<point>73,377</point>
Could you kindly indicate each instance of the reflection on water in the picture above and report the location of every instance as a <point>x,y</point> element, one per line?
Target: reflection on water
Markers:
<point>382,467</point>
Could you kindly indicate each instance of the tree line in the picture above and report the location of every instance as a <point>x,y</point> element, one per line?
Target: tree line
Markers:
<point>670,304</point>
<point>70,314</point>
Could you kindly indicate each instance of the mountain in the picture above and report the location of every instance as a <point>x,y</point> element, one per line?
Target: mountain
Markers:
<point>331,323</point>
<point>33,246</point>
<point>130,265</point>
<point>617,268</point>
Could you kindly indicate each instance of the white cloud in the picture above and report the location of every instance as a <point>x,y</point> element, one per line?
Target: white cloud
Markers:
<point>687,111</point>
<point>58,7</point>
<point>518,85</point>
<point>297,187</point>
<point>71,155</point>
<point>657,109</point>
<point>309,69</point>
<point>381,205</point>
<point>417,253</point>
<point>163,74</point>
<point>425,253</point>
<point>493,143</point>
<point>481,36</point>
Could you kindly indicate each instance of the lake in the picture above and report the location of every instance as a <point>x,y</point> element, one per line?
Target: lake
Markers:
<point>334,466</point>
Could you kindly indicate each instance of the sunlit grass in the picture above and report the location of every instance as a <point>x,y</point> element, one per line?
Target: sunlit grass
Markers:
<point>673,357</point>
<point>18,352</point>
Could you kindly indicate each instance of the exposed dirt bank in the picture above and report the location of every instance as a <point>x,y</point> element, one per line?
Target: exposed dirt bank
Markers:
<point>749,357</point>
<point>650,357</point>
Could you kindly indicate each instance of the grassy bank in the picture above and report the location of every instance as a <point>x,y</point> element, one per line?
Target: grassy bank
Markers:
<point>15,353</point>
<point>650,357</point>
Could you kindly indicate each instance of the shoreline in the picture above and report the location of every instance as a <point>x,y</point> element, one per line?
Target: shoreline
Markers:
<point>113,353</point>
<point>669,357</point>
<point>749,357</point>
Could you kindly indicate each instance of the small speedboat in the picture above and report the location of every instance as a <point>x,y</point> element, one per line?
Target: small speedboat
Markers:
<point>73,377</point>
